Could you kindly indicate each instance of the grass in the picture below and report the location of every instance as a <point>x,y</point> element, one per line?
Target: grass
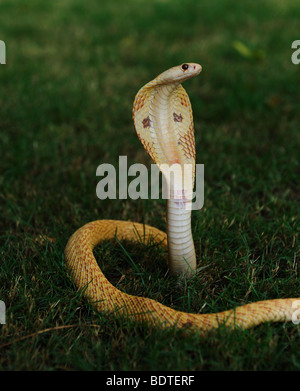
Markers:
<point>66,95</point>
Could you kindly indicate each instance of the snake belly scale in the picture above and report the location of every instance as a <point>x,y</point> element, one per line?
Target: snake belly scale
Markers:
<point>163,120</point>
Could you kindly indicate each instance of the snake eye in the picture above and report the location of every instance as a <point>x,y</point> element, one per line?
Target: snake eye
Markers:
<point>184,67</point>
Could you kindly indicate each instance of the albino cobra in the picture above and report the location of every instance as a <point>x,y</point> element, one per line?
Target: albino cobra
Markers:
<point>164,123</point>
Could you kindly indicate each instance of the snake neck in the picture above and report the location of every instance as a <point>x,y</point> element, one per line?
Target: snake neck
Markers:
<point>162,116</point>
<point>163,119</point>
<point>181,250</point>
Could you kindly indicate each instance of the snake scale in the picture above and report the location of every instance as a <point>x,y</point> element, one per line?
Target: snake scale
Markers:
<point>163,120</point>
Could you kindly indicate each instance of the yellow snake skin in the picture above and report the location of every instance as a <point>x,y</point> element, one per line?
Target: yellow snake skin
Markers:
<point>164,123</point>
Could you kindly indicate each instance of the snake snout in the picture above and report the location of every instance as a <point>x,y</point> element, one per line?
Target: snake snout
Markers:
<point>197,68</point>
<point>189,70</point>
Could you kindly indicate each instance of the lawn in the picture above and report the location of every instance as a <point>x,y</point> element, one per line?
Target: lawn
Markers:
<point>66,94</point>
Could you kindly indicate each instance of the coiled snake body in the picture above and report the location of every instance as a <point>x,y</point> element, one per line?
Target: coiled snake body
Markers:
<point>164,123</point>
